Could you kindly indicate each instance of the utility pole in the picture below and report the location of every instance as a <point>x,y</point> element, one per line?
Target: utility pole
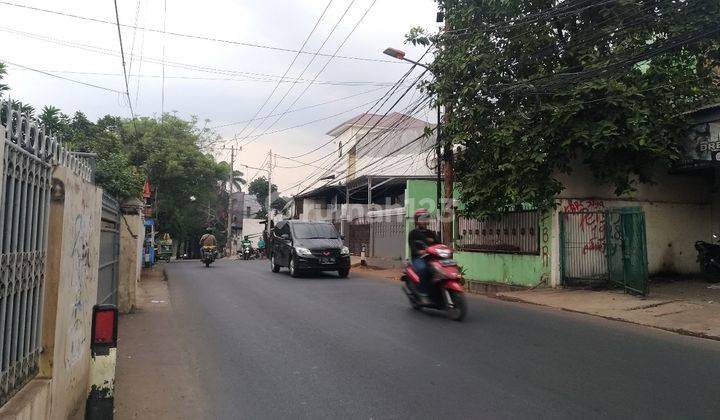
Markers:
<point>229,241</point>
<point>269,202</point>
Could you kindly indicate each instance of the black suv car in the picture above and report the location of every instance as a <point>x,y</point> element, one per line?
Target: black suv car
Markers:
<point>308,246</point>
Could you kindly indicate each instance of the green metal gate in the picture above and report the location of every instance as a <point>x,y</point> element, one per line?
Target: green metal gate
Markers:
<point>604,248</point>
<point>626,249</point>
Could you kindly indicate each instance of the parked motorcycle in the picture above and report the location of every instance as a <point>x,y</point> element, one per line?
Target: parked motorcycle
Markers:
<point>209,254</point>
<point>447,293</point>
<point>709,259</point>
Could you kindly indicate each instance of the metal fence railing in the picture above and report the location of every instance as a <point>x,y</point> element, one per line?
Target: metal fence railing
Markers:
<point>26,159</point>
<point>515,232</point>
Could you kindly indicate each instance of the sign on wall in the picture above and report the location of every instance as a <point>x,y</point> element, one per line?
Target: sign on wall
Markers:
<point>704,142</point>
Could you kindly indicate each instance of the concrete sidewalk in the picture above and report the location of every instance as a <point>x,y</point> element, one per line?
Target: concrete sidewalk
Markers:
<point>154,378</point>
<point>687,307</point>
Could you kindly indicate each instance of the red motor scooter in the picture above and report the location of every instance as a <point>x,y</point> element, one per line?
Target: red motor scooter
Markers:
<point>447,293</point>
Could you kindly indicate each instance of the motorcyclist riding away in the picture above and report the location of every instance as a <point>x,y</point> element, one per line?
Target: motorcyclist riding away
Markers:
<point>208,239</point>
<point>419,239</point>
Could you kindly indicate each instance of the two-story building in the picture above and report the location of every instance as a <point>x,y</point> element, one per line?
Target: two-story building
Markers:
<point>378,155</point>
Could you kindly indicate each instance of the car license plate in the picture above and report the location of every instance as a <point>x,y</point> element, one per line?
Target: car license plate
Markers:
<point>327,260</point>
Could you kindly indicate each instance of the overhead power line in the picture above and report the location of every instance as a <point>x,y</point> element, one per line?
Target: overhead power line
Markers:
<point>312,60</point>
<point>134,37</point>
<point>61,77</point>
<point>302,108</point>
<point>249,76</point>
<point>137,84</point>
<point>281,130</point>
<point>122,56</point>
<point>190,36</point>
<point>162,102</point>
<point>385,97</point>
<point>342,44</point>
<point>347,83</point>
<point>287,70</point>
<point>368,132</point>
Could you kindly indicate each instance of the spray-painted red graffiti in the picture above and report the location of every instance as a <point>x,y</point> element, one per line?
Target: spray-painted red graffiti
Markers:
<point>592,222</point>
<point>577,206</point>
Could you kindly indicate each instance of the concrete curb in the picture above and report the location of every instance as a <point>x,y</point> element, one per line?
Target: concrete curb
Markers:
<point>680,331</point>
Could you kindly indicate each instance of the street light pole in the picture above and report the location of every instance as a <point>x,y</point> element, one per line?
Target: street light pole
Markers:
<point>444,165</point>
<point>448,173</point>
<point>269,203</point>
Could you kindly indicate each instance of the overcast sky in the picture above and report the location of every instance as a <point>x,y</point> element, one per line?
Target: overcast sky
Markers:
<point>72,47</point>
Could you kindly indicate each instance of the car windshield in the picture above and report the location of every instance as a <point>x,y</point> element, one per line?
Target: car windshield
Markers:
<point>315,231</point>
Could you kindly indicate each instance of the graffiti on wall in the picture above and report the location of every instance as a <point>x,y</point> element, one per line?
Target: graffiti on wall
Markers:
<point>545,240</point>
<point>592,223</point>
<point>79,282</point>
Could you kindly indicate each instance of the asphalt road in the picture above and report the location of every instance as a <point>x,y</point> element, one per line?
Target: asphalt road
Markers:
<point>268,346</point>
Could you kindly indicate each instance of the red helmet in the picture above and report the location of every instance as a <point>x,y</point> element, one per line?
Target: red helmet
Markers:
<point>421,214</point>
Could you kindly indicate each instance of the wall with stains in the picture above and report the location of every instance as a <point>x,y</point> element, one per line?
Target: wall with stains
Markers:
<point>678,211</point>
<point>671,231</point>
<point>71,292</point>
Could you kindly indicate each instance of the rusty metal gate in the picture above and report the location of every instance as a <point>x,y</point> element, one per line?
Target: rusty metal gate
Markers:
<point>604,248</point>
<point>359,235</point>
<point>109,251</point>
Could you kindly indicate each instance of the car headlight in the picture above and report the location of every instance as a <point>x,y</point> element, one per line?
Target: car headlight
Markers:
<point>302,251</point>
<point>345,251</point>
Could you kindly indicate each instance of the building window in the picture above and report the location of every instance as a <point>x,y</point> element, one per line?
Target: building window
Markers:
<point>247,211</point>
<point>512,232</point>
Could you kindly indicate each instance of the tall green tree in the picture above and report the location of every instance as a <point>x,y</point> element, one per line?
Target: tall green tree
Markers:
<point>238,180</point>
<point>259,188</point>
<point>171,152</point>
<point>533,86</point>
<point>23,107</point>
<point>52,119</point>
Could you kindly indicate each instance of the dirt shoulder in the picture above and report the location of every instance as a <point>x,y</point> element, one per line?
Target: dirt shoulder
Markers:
<point>153,378</point>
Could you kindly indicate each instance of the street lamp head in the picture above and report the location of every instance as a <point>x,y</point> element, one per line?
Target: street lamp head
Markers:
<point>327,177</point>
<point>192,198</point>
<point>395,53</point>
